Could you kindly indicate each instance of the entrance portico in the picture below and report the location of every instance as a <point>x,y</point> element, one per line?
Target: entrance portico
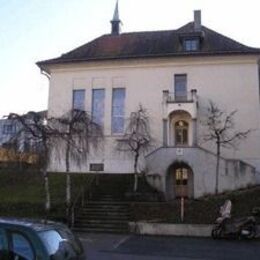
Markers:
<point>179,181</point>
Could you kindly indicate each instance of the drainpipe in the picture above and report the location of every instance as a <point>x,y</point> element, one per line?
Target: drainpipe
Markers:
<point>165,132</point>
<point>46,74</point>
<point>194,131</point>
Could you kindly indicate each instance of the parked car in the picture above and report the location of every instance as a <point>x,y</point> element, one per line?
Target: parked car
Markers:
<point>24,239</point>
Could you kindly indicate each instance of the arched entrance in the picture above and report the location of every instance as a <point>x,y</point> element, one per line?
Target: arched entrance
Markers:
<point>181,176</point>
<point>180,129</point>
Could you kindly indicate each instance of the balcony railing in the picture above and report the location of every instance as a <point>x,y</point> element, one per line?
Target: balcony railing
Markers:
<point>170,97</point>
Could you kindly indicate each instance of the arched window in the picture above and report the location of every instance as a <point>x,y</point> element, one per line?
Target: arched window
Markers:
<point>181,132</point>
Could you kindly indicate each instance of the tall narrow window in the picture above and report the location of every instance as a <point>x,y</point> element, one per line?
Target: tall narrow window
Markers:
<point>98,106</point>
<point>181,133</point>
<point>118,110</point>
<point>180,87</point>
<point>78,99</point>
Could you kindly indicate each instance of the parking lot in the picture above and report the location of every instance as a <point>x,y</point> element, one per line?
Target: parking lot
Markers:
<point>126,247</point>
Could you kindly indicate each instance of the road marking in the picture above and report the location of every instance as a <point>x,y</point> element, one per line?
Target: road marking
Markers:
<point>121,241</point>
<point>86,239</point>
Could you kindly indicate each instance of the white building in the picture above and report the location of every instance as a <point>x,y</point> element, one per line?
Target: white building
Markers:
<point>173,74</point>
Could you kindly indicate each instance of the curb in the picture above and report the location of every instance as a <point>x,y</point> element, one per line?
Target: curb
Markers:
<point>166,229</point>
<point>193,230</point>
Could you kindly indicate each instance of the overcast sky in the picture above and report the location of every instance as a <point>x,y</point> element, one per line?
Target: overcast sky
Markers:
<point>33,30</point>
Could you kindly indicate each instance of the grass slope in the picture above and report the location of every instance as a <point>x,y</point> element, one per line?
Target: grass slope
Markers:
<point>200,211</point>
<point>22,193</point>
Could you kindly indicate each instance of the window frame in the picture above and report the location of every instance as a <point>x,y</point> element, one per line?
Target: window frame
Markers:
<point>101,123</point>
<point>184,133</point>
<point>10,232</point>
<point>74,107</point>
<point>9,129</point>
<point>3,240</point>
<point>113,106</point>
<point>191,44</point>
<point>181,176</point>
<point>177,96</point>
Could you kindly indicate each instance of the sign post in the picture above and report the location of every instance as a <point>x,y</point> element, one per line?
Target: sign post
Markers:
<point>182,209</point>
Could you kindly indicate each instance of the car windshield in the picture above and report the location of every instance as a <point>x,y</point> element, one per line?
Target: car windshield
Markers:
<point>61,243</point>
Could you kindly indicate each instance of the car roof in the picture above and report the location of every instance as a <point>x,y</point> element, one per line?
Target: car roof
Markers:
<point>35,224</point>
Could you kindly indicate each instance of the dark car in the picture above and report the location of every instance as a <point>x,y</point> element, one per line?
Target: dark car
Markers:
<point>24,239</point>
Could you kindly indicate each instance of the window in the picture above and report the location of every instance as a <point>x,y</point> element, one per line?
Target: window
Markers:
<point>191,44</point>
<point>9,129</point>
<point>181,175</point>
<point>118,110</point>
<point>180,87</point>
<point>2,240</point>
<point>181,133</point>
<point>98,106</point>
<point>21,247</point>
<point>78,99</point>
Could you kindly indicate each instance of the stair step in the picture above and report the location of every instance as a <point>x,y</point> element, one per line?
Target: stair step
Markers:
<point>102,225</point>
<point>99,230</point>
<point>109,206</point>
<point>102,221</point>
<point>114,202</point>
<point>103,218</point>
<point>101,215</point>
<point>107,214</point>
<point>103,209</point>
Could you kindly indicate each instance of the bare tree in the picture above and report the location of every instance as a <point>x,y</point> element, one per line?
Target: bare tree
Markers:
<point>38,135</point>
<point>79,132</point>
<point>137,138</point>
<point>221,130</point>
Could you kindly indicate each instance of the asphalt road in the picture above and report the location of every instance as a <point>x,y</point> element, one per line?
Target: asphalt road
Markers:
<point>132,247</point>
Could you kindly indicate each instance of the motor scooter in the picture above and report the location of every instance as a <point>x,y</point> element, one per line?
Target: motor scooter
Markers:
<point>227,227</point>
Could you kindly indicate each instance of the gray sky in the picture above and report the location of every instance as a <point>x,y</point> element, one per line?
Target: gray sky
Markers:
<point>33,30</point>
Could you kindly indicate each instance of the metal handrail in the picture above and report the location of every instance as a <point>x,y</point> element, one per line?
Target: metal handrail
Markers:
<point>80,196</point>
<point>170,97</point>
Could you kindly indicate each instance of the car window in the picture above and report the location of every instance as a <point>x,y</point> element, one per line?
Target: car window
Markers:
<point>1,240</point>
<point>21,247</point>
<point>2,244</point>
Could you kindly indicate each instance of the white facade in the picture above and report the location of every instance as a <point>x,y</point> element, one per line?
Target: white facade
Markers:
<point>230,81</point>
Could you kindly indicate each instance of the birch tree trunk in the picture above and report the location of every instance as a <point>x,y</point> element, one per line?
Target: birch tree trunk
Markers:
<point>135,172</point>
<point>47,190</point>
<point>217,167</point>
<point>68,179</point>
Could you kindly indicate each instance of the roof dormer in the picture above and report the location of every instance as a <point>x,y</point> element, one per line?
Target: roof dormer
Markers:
<point>191,41</point>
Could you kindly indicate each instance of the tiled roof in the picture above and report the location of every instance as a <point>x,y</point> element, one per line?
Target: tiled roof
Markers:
<point>152,44</point>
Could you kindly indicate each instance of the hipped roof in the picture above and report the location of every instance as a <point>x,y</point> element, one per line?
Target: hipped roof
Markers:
<point>151,44</point>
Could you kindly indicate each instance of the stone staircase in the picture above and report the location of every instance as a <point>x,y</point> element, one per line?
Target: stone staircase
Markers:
<point>109,207</point>
<point>104,215</point>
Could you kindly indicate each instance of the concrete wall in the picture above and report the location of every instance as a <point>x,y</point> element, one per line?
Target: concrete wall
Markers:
<point>167,229</point>
<point>231,82</point>
<point>232,174</point>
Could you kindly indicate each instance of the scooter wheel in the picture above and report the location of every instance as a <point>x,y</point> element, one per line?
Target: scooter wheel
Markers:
<point>252,232</point>
<point>216,233</point>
